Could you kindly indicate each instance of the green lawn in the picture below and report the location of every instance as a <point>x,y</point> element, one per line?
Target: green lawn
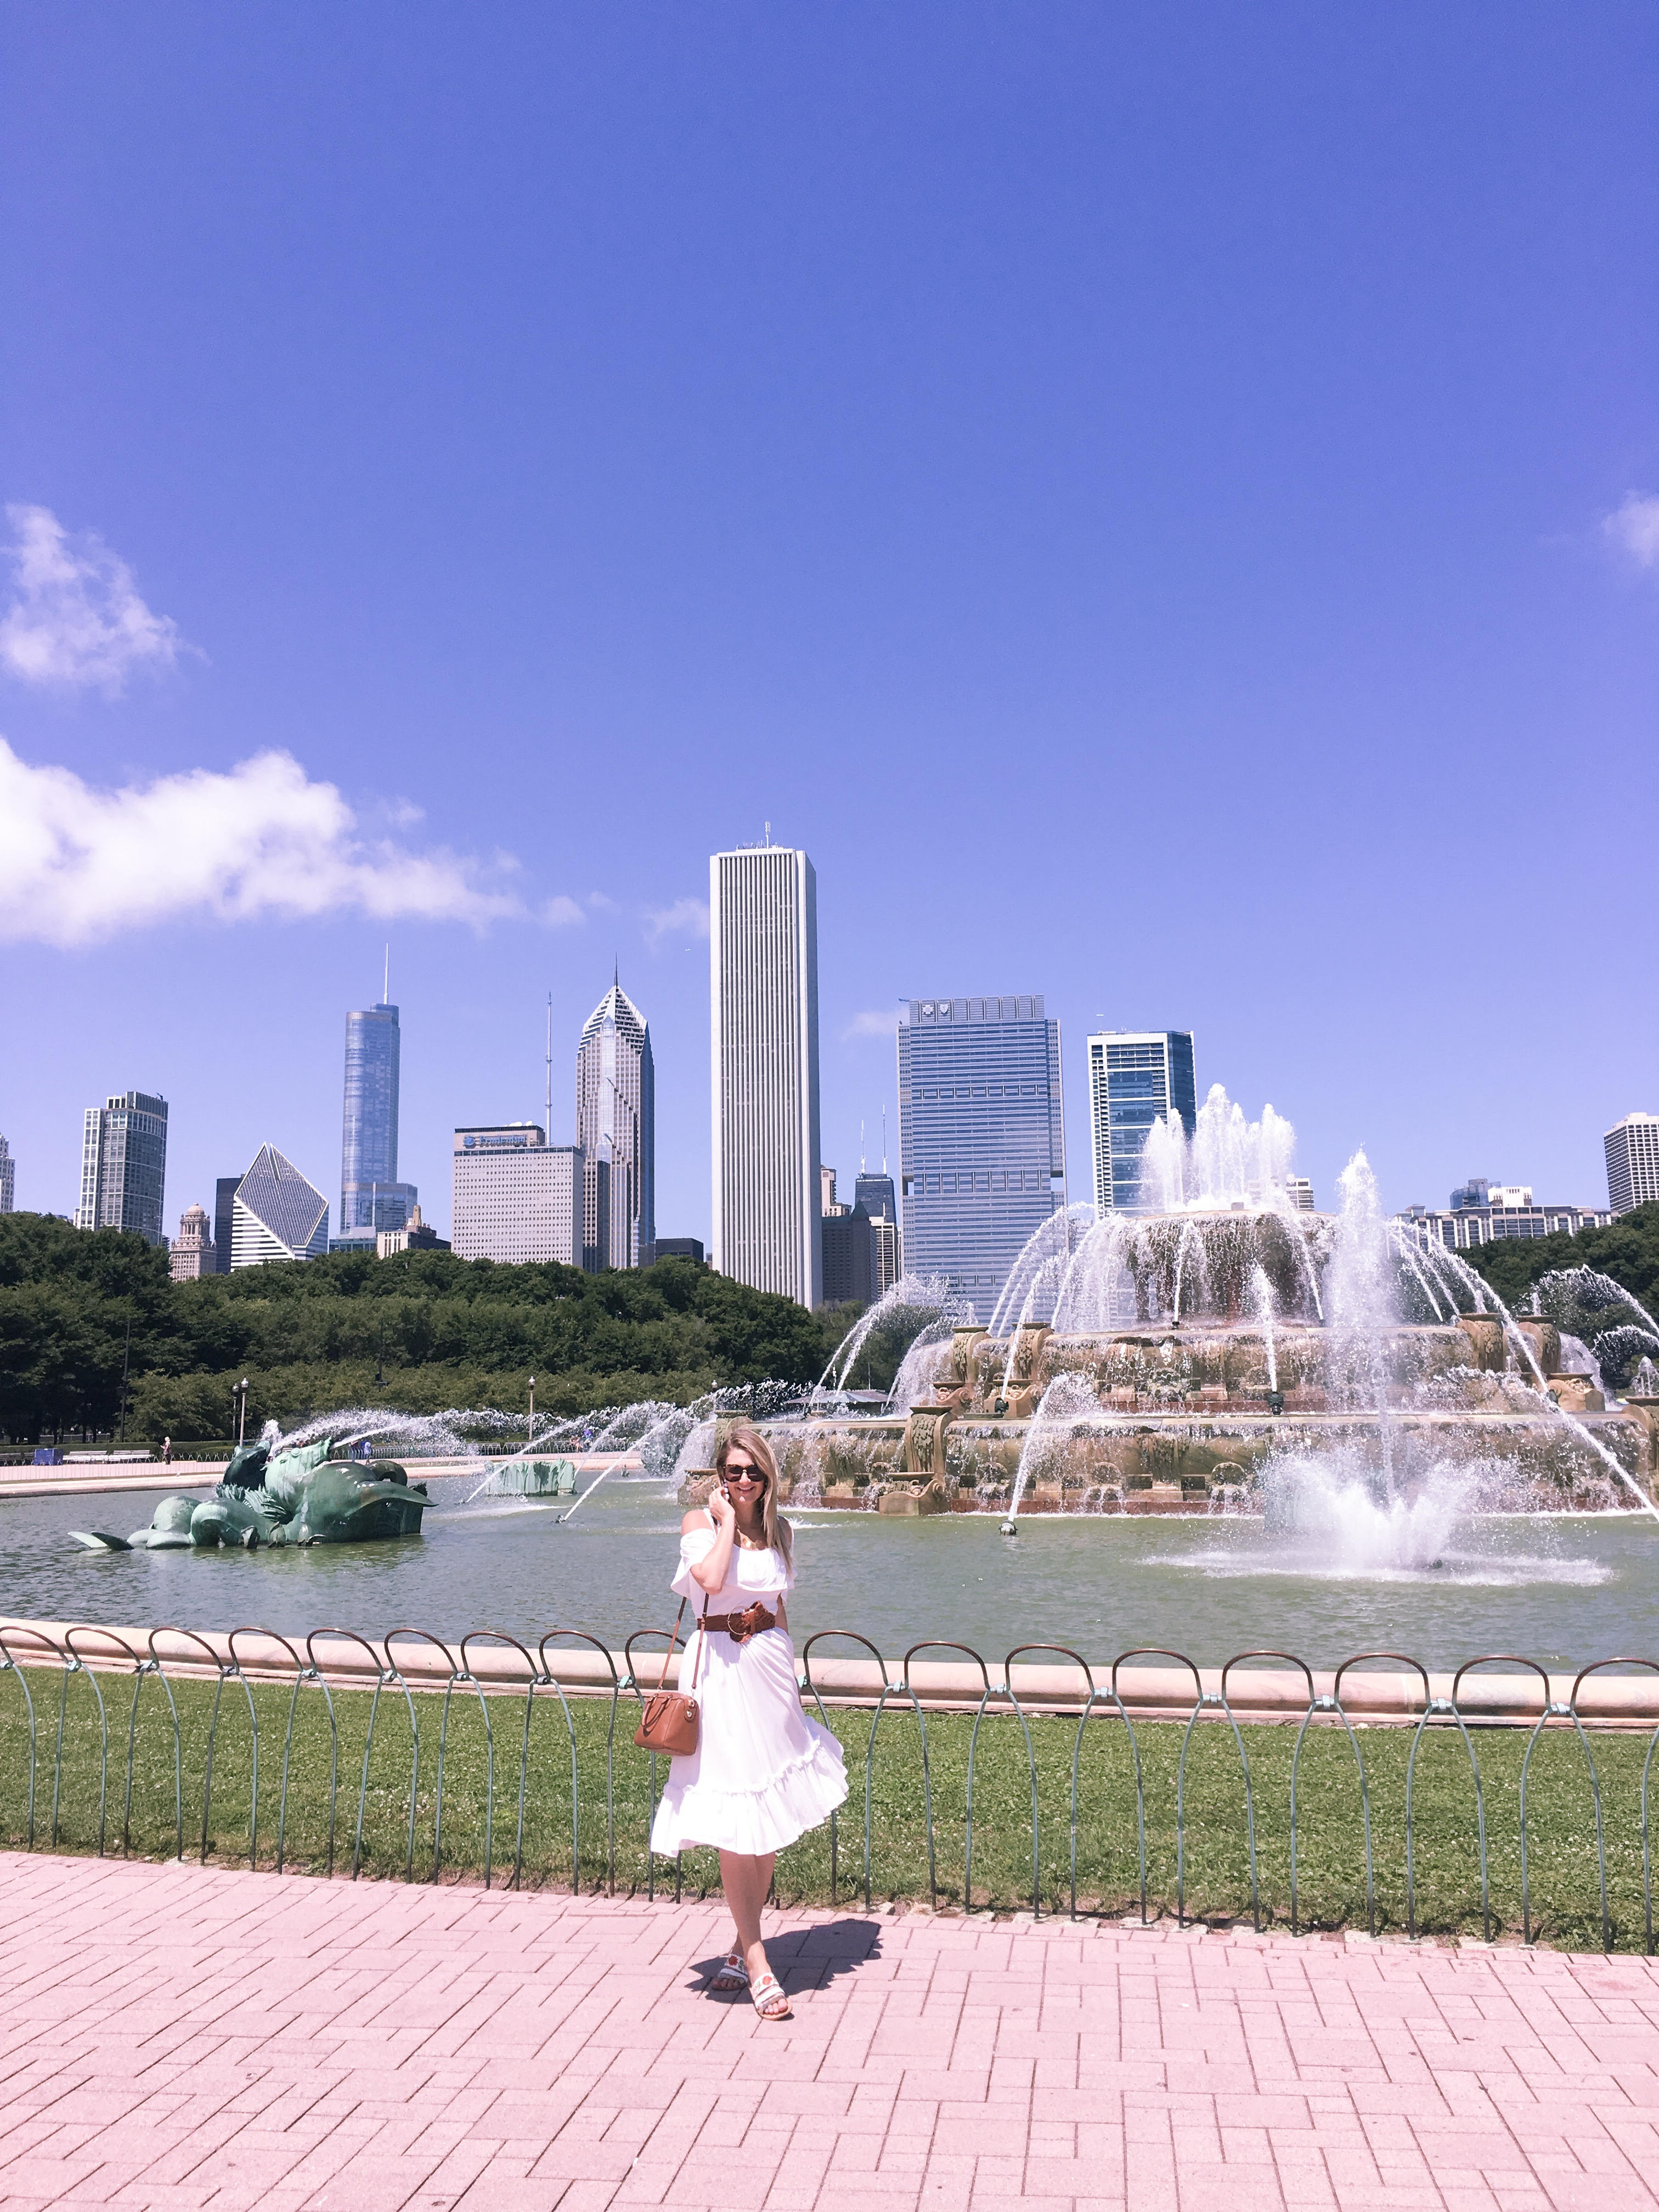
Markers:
<point>1330,1847</point>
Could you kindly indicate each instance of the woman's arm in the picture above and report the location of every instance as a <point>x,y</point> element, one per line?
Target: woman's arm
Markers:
<point>709,1571</point>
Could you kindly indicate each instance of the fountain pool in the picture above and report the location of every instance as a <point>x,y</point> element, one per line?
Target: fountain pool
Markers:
<point>1325,1581</point>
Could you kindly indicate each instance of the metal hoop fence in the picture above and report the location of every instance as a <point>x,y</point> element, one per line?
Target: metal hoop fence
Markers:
<point>1070,1769</point>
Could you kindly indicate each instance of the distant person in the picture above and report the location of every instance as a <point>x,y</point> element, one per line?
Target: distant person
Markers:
<point>762,1773</point>
<point>166,1451</point>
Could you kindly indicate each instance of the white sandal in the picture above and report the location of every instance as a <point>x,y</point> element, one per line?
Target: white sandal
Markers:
<point>731,1975</point>
<point>768,1991</point>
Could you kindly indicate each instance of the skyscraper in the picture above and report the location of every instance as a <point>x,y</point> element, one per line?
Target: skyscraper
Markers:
<point>224,1217</point>
<point>192,1255</point>
<point>371,1196</point>
<point>876,1194</point>
<point>516,1198</point>
<point>763,988</point>
<point>278,1213</point>
<point>1632,1151</point>
<point>1136,1076</point>
<point>616,1129</point>
<point>8,1172</point>
<point>124,1164</point>
<point>981,1137</point>
<point>849,1251</point>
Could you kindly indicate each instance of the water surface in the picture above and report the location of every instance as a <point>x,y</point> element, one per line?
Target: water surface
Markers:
<point>1561,1589</point>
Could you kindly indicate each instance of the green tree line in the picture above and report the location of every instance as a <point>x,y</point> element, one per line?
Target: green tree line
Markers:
<point>1626,1252</point>
<point>423,1331</point>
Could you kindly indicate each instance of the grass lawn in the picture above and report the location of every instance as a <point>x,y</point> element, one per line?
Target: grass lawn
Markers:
<point>1330,1851</point>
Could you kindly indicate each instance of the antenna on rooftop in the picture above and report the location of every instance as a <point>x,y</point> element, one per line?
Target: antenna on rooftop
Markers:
<point>548,1133</point>
<point>386,988</point>
<point>860,1148</point>
<point>884,1140</point>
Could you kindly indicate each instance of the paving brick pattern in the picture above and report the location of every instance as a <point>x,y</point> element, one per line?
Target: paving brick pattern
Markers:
<point>172,2037</point>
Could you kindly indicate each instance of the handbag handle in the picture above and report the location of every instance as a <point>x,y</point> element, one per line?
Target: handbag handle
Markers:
<point>674,1637</point>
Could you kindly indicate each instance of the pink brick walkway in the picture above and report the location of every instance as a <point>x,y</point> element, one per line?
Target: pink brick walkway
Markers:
<point>174,2038</point>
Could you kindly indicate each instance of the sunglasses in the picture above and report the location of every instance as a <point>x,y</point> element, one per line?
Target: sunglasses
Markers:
<point>744,1474</point>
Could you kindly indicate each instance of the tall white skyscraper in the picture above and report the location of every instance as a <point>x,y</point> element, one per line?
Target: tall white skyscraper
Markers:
<point>1632,1151</point>
<point>124,1164</point>
<point>8,1171</point>
<point>764,986</point>
<point>615,1128</point>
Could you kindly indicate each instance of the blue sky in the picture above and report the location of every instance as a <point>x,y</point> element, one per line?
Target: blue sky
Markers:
<point>1163,505</point>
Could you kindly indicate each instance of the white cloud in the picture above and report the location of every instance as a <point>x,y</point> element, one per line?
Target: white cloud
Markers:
<point>77,620</point>
<point>687,917</point>
<point>78,863</point>
<point>872,1025</point>
<point>1634,528</point>
<point>563,913</point>
<point>603,901</point>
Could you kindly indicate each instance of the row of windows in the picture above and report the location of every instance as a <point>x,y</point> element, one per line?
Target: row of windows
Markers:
<point>932,1094</point>
<point>953,1183</point>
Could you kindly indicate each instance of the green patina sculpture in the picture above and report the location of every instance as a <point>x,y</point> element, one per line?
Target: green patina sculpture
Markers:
<point>305,1496</point>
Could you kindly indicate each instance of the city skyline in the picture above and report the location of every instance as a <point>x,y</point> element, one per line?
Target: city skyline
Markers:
<point>220,1215</point>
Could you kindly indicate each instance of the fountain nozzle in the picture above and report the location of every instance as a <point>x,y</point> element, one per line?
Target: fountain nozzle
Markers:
<point>1275,1402</point>
<point>1008,1529</point>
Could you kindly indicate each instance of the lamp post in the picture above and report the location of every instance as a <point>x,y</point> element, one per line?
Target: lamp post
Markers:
<point>241,1395</point>
<point>530,1433</point>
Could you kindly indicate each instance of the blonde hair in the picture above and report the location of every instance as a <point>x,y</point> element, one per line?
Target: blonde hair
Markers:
<point>740,1437</point>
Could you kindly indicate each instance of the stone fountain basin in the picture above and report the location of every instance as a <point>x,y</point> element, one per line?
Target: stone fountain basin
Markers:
<point>952,1458</point>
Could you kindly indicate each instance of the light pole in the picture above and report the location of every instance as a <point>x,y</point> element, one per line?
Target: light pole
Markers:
<point>530,1433</point>
<point>240,1394</point>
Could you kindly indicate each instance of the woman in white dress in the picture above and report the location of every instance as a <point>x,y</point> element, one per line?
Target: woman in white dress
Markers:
<point>762,1773</point>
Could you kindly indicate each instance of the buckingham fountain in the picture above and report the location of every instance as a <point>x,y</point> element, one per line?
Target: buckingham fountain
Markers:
<point>1224,1351</point>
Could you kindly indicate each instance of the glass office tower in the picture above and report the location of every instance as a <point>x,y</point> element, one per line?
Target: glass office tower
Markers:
<point>1136,1076</point>
<point>371,1196</point>
<point>981,1137</point>
<point>124,1164</point>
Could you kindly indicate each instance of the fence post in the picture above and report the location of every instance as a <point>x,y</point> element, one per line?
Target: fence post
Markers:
<point>935,1645</point>
<point>1013,1695</point>
<point>850,1636</point>
<point>617,1686</point>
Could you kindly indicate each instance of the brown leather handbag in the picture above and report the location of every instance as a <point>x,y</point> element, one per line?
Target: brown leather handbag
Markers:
<point>669,1723</point>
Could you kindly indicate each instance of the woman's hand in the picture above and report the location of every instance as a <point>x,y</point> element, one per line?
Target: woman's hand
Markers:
<point>709,1571</point>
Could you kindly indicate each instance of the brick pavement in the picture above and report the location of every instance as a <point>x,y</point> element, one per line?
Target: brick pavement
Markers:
<point>174,2038</point>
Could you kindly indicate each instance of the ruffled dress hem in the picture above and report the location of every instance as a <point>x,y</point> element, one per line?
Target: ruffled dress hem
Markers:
<point>768,1818</point>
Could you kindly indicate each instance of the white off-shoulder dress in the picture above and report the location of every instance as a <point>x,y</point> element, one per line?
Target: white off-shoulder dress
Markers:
<point>762,1773</point>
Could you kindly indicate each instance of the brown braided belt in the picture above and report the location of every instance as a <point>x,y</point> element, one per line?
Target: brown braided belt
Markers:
<point>754,1620</point>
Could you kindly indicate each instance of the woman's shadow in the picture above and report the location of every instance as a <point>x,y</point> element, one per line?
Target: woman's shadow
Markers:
<point>810,1958</point>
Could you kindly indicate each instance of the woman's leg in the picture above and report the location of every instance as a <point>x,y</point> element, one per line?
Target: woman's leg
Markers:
<point>746,1880</point>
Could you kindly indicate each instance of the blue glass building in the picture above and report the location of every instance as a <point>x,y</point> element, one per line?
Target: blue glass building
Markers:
<point>1135,1078</point>
<point>371,1196</point>
<point>981,1137</point>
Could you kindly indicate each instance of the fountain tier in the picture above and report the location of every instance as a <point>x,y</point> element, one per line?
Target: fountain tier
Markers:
<point>1243,1337</point>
